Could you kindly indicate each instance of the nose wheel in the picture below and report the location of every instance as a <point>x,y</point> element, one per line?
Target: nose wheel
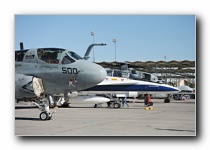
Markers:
<point>45,111</point>
<point>117,105</point>
<point>45,116</point>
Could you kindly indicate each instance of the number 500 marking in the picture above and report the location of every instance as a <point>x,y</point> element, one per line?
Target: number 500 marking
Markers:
<point>69,70</point>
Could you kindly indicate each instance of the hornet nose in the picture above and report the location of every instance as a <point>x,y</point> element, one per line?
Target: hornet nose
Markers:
<point>176,90</point>
<point>170,89</point>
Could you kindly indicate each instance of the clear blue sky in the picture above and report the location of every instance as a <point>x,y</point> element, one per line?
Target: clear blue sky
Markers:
<point>139,37</point>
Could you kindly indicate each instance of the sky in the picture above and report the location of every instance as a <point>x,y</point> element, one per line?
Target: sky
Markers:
<point>139,37</point>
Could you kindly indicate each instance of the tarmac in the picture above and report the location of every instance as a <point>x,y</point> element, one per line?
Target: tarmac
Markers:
<point>177,118</point>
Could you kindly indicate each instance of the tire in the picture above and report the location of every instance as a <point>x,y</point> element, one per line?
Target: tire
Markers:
<point>108,104</point>
<point>167,100</point>
<point>65,104</point>
<point>112,104</point>
<point>116,105</point>
<point>150,104</point>
<point>44,116</point>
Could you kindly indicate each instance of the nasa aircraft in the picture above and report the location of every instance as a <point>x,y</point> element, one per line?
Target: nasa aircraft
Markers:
<point>124,87</point>
<point>142,76</point>
<point>111,87</point>
<point>47,71</point>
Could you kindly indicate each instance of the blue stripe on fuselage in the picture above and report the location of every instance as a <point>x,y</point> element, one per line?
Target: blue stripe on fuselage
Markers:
<point>130,88</point>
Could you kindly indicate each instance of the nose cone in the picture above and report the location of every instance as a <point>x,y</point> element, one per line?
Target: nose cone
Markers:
<point>94,74</point>
<point>99,73</point>
<point>176,90</point>
<point>170,89</point>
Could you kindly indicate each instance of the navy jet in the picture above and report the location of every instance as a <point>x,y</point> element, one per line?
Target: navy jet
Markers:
<point>116,87</point>
<point>125,87</point>
<point>47,71</point>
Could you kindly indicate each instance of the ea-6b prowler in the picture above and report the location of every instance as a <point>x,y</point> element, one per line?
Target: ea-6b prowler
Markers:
<point>46,71</point>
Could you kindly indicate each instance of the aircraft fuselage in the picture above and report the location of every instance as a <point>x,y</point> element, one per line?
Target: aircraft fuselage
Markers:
<point>60,74</point>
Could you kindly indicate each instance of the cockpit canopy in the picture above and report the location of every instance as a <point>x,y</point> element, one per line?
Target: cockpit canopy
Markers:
<point>48,55</point>
<point>70,57</point>
<point>117,73</point>
<point>19,55</point>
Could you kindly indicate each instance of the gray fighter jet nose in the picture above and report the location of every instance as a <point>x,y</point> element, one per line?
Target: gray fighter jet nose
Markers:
<point>102,74</point>
<point>93,74</point>
<point>98,73</point>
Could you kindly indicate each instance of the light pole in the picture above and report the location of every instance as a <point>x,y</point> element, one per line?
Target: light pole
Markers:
<point>165,58</point>
<point>165,69</point>
<point>93,34</point>
<point>115,40</point>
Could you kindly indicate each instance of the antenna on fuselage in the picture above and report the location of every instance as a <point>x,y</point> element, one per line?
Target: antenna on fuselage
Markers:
<point>21,46</point>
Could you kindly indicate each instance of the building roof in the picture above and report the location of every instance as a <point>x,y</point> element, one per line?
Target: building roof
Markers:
<point>173,69</point>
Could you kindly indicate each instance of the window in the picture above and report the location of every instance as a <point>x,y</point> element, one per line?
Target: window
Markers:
<point>117,73</point>
<point>67,60</point>
<point>133,71</point>
<point>109,72</point>
<point>74,55</point>
<point>50,55</point>
<point>19,55</point>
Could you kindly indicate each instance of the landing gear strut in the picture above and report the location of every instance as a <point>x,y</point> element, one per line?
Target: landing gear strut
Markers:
<point>52,103</point>
<point>44,108</point>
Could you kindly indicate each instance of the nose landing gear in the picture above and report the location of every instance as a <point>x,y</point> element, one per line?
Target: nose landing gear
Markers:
<point>44,108</point>
<point>45,116</point>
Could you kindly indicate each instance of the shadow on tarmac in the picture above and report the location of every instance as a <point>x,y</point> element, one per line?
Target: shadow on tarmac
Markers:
<point>175,130</point>
<point>25,107</point>
<point>26,118</point>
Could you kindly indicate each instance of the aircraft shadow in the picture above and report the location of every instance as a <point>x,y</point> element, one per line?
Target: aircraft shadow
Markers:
<point>25,107</point>
<point>185,102</point>
<point>176,130</point>
<point>125,107</point>
<point>26,118</point>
